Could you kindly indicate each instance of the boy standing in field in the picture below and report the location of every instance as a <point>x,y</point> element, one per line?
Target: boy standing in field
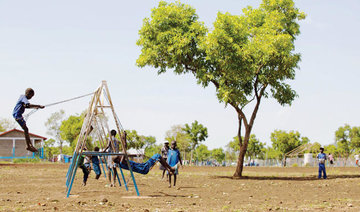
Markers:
<point>19,109</point>
<point>321,158</point>
<point>96,164</point>
<point>173,159</point>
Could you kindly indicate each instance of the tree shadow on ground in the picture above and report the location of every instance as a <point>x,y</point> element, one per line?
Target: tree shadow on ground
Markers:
<point>292,178</point>
<point>162,194</point>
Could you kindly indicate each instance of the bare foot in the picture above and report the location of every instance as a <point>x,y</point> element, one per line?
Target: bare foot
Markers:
<point>169,186</point>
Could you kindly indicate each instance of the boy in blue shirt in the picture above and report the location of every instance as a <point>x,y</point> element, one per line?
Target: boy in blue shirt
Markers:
<point>19,109</point>
<point>173,159</point>
<point>321,158</point>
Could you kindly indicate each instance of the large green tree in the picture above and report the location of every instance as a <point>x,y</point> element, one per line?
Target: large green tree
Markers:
<point>53,124</point>
<point>246,57</point>
<point>197,133</point>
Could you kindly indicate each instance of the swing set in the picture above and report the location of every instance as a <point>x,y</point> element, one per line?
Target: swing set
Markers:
<point>96,124</point>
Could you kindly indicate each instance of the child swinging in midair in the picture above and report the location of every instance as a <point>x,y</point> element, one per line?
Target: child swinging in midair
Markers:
<point>19,109</point>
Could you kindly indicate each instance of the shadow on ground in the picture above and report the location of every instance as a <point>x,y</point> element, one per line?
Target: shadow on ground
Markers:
<point>307,178</point>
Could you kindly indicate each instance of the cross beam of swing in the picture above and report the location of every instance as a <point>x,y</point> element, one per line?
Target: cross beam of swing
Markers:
<point>108,153</point>
<point>94,119</point>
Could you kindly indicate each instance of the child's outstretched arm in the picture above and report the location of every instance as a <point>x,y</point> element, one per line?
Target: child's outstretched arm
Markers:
<point>35,106</point>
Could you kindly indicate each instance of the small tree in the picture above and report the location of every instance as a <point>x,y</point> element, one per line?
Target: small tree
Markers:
<point>53,124</point>
<point>332,149</point>
<point>49,148</point>
<point>182,139</point>
<point>255,147</point>
<point>6,124</point>
<point>271,153</point>
<point>202,153</point>
<point>70,130</point>
<point>284,142</point>
<point>148,143</point>
<point>246,57</point>
<point>197,133</point>
<point>347,139</point>
<point>218,154</point>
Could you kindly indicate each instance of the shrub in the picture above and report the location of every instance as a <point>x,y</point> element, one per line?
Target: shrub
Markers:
<point>27,160</point>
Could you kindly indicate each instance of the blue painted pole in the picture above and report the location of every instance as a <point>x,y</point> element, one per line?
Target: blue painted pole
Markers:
<point>102,165</point>
<point>72,161</point>
<point>132,175</point>
<point>117,176</point>
<point>71,168</point>
<point>73,176</point>
<point>123,177</point>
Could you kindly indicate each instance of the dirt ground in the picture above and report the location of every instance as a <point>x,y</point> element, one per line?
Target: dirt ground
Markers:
<point>41,187</point>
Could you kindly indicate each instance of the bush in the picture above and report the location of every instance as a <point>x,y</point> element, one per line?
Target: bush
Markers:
<point>27,160</point>
<point>295,165</point>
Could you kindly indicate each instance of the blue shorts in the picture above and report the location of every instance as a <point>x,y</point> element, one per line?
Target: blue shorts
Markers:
<point>142,168</point>
<point>96,168</point>
<point>21,122</point>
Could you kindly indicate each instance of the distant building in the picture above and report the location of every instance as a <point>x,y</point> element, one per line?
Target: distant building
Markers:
<point>13,145</point>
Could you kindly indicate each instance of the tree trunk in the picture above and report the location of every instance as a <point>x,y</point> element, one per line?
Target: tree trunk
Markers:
<point>240,162</point>
<point>61,147</point>
<point>191,157</point>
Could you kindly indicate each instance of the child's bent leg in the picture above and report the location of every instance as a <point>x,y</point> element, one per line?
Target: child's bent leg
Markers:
<point>29,145</point>
<point>165,164</point>
<point>86,174</point>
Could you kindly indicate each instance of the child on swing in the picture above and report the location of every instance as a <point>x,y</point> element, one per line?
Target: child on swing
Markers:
<point>19,109</point>
<point>142,168</point>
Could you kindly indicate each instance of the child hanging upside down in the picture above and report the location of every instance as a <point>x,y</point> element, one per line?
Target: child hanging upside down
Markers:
<point>142,168</point>
<point>19,109</point>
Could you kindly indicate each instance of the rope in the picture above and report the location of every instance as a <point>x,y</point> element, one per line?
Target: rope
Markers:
<point>68,100</point>
<point>26,116</point>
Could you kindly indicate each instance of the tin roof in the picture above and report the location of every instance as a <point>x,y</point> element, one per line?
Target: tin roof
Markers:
<point>31,134</point>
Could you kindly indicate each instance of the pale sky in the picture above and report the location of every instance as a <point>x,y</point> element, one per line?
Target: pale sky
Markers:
<point>64,49</point>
